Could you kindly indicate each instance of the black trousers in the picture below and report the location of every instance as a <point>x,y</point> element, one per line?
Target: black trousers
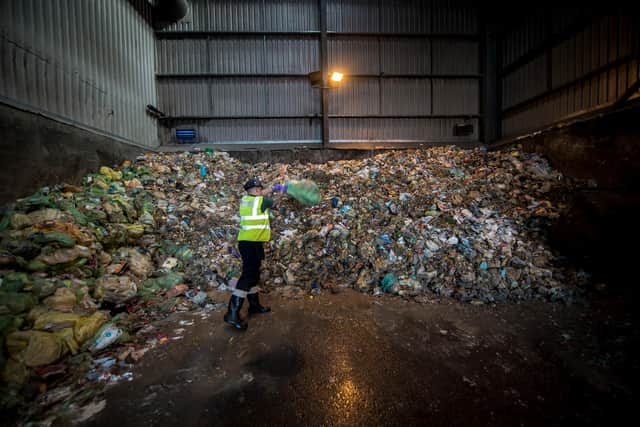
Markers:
<point>252,255</point>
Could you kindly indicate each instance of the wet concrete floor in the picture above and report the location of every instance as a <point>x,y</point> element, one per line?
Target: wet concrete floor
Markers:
<point>349,359</point>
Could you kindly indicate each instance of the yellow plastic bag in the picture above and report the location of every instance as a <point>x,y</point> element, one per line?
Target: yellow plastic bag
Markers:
<point>87,326</point>
<point>36,348</point>
<point>66,335</point>
<point>55,321</point>
<point>100,184</point>
<point>36,312</point>
<point>135,231</point>
<point>63,300</point>
<point>67,228</point>
<point>45,215</point>
<point>65,256</point>
<point>115,289</point>
<point>19,221</point>
<point>110,173</point>
<point>15,372</point>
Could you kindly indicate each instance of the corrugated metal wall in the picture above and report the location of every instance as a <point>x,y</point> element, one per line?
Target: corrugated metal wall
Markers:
<point>563,63</point>
<point>90,63</point>
<point>237,71</point>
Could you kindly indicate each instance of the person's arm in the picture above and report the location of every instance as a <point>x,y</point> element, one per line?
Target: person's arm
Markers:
<point>267,203</point>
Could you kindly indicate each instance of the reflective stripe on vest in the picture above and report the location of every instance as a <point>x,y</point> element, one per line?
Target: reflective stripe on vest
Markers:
<point>243,294</point>
<point>254,226</point>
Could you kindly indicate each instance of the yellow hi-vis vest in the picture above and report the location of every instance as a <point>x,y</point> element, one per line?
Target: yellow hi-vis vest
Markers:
<point>254,225</point>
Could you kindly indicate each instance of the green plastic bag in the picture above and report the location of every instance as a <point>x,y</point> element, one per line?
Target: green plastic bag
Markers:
<point>60,239</point>
<point>33,202</point>
<point>183,253</point>
<point>78,216</point>
<point>15,302</point>
<point>96,216</point>
<point>37,265</point>
<point>6,220</point>
<point>126,206</point>
<point>8,324</point>
<point>162,282</point>
<point>305,192</point>
<point>15,282</point>
<point>42,288</point>
<point>388,281</point>
<point>168,247</point>
<point>96,192</point>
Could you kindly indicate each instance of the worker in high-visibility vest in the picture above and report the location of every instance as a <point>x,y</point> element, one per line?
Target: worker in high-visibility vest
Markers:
<point>254,231</point>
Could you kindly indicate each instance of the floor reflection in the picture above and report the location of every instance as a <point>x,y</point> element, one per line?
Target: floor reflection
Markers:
<point>347,399</point>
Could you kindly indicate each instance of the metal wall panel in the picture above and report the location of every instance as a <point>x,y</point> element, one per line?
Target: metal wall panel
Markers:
<point>524,38</point>
<point>405,56</point>
<point>291,55</point>
<point>564,17</point>
<point>411,97</point>
<point>184,97</point>
<point>249,15</point>
<point>460,97</point>
<point>259,130</point>
<point>182,56</point>
<point>454,17</point>
<point>456,57</point>
<point>358,55</point>
<point>246,55</point>
<point>592,93</point>
<point>405,16</point>
<point>237,96</point>
<point>236,15</point>
<point>360,16</point>
<point>235,56</point>
<point>88,63</point>
<point>526,82</point>
<point>369,61</point>
<point>288,15</point>
<point>398,130</point>
<point>565,64</point>
<point>360,97</point>
<point>287,96</point>
<point>589,70</point>
<point>526,120</point>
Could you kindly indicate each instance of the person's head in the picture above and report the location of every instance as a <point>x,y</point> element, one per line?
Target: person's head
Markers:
<point>253,187</point>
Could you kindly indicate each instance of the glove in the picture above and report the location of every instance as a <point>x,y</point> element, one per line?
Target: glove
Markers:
<point>282,188</point>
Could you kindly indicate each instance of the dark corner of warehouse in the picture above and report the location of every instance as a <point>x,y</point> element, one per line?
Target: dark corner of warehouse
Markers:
<point>318,212</point>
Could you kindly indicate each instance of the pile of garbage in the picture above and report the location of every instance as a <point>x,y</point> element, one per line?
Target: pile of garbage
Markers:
<point>438,222</point>
<point>84,274</point>
<point>86,270</point>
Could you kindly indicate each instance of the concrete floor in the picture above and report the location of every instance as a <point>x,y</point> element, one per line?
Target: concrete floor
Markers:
<point>349,359</point>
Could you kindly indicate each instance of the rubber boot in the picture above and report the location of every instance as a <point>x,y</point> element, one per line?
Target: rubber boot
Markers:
<point>233,313</point>
<point>254,305</point>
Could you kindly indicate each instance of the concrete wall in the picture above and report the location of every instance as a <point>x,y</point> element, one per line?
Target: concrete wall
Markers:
<point>600,231</point>
<point>37,151</point>
<point>605,149</point>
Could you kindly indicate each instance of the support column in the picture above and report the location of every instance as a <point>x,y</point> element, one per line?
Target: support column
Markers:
<point>324,67</point>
